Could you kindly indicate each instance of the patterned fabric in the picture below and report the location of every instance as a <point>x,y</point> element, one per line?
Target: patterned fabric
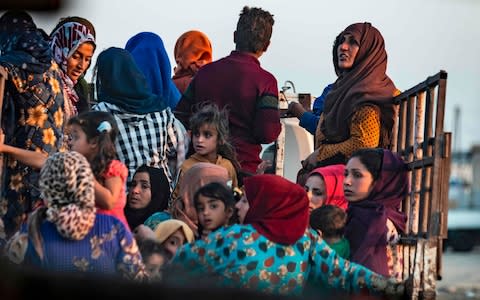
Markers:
<point>333,177</point>
<point>108,248</point>
<point>250,94</point>
<point>148,139</point>
<point>32,112</point>
<point>66,182</point>
<point>239,256</point>
<point>117,169</point>
<point>366,227</point>
<point>151,57</point>
<point>64,42</point>
<point>364,133</point>
<point>192,50</point>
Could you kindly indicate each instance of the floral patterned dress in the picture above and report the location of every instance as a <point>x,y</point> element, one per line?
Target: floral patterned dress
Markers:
<point>241,257</point>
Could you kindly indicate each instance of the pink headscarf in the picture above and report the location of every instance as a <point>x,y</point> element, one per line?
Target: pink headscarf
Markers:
<point>333,177</point>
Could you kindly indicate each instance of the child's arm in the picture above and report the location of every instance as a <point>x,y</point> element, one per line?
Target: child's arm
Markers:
<point>107,195</point>
<point>30,158</point>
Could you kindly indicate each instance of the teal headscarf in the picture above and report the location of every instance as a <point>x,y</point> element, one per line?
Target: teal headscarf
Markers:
<point>120,82</point>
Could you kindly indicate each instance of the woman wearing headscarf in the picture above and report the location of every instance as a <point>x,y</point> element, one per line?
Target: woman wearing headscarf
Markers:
<point>358,111</point>
<point>73,43</point>
<point>66,235</point>
<point>200,174</point>
<point>192,50</point>
<point>324,186</point>
<point>151,57</point>
<point>273,250</point>
<point>32,112</point>
<point>148,193</point>
<point>375,185</point>
<point>149,133</point>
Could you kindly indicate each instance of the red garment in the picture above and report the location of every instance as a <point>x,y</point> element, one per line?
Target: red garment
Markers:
<point>333,177</point>
<point>278,208</point>
<point>117,169</point>
<point>250,94</point>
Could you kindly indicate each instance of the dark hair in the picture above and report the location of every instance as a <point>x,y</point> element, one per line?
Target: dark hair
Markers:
<point>209,113</point>
<point>148,247</point>
<point>330,219</point>
<point>254,30</point>
<point>75,19</point>
<point>89,122</point>
<point>219,191</point>
<point>372,159</point>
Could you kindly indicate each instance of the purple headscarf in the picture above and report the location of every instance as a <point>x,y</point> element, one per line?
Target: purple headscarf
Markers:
<point>366,227</point>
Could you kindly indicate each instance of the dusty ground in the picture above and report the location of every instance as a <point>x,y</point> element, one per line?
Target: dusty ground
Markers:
<point>461,276</point>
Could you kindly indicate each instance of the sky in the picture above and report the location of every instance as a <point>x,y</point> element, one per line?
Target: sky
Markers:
<point>421,37</point>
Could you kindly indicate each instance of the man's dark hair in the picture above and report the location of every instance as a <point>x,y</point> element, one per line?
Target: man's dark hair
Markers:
<point>254,30</point>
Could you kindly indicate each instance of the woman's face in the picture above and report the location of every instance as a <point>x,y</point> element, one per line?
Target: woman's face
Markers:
<point>347,52</point>
<point>358,181</point>
<point>242,207</point>
<point>315,188</point>
<point>140,193</point>
<point>80,60</point>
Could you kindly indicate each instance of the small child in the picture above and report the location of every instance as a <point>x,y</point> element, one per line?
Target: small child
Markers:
<point>209,127</point>
<point>154,256</point>
<point>330,221</point>
<point>215,205</point>
<point>172,234</point>
<point>93,135</point>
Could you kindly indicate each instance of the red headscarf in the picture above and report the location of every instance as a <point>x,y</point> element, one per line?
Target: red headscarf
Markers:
<point>333,177</point>
<point>278,208</point>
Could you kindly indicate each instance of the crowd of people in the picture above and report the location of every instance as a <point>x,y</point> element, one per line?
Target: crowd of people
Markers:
<point>158,178</point>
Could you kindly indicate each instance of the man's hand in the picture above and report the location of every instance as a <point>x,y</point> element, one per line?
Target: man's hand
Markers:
<point>296,109</point>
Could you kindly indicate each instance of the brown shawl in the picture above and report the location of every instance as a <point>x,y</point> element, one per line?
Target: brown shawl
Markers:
<point>366,83</point>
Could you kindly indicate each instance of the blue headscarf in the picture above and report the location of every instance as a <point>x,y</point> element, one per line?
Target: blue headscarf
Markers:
<point>149,53</point>
<point>120,82</point>
<point>22,44</point>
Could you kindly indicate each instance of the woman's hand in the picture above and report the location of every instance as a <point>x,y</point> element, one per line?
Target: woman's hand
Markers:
<point>311,161</point>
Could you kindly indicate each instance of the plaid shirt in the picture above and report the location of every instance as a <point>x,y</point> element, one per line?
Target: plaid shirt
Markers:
<point>151,139</point>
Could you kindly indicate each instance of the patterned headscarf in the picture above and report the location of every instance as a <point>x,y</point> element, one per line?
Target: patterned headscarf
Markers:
<point>366,224</point>
<point>22,44</point>
<point>64,41</point>
<point>67,185</point>
<point>333,177</point>
<point>278,208</point>
<point>366,83</point>
<point>151,57</point>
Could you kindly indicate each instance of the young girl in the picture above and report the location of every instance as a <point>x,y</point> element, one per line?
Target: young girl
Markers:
<point>172,234</point>
<point>209,128</point>
<point>154,256</point>
<point>92,134</point>
<point>375,185</point>
<point>215,205</point>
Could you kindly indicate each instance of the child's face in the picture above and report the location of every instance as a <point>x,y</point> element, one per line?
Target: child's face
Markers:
<point>78,141</point>
<point>154,263</point>
<point>173,242</point>
<point>315,188</point>
<point>242,208</point>
<point>205,141</point>
<point>358,181</point>
<point>212,213</point>
<point>140,193</point>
